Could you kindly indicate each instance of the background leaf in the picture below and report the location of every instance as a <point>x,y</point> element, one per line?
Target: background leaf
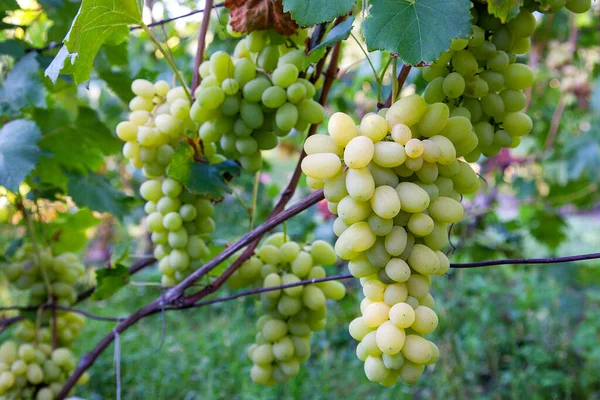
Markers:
<point>337,33</point>
<point>23,87</point>
<point>109,281</point>
<point>312,12</point>
<point>66,233</point>
<point>97,193</point>
<point>19,152</point>
<point>504,9</point>
<point>416,30</point>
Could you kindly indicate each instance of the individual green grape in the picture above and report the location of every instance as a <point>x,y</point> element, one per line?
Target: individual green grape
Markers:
<point>434,119</point>
<point>342,129</point>
<point>360,184</point>
<point>321,165</point>
<point>389,154</point>
<point>374,126</point>
<point>518,76</point>
<point>321,144</point>
<point>385,202</point>
<point>453,85</point>
<point>359,152</point>
<point>408,110</point>
<point>517,124</point>
<point>445,209</point>
<point>434,92</point>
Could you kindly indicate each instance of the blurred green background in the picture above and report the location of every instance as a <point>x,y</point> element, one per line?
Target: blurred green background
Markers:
<point>505,332</point>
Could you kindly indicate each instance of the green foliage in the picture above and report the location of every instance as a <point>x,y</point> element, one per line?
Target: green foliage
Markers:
<point>504,9</point>
<point>19,152</point>
<point>23,87</point>
<point>200,177</point>
<point>97,193</point>
<point>87,35</point>
<point>418,31</point>
<point>336,34</point>
<point>66,233</point>
<point>109,281</point>
<point>316,11</point>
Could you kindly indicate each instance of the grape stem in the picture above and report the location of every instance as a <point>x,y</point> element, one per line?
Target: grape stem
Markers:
<point>201,44</point>
<point>169,60</point>
<point>367,56</point>
<point>401,80</point>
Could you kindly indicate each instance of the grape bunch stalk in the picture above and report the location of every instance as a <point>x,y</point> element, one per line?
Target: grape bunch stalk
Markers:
<point>396,180</point>
<point>292,314</point>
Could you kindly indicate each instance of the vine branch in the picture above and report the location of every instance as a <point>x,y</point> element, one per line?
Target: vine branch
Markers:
<point>201,45</point>
<point>401,80</point>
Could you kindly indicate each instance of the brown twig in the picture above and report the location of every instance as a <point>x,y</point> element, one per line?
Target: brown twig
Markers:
<point>201,45</point>
<point>401,80</point>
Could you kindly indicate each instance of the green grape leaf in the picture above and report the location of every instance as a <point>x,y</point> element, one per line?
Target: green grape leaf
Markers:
<point>546,226</point>
<point>13,47</point>
<point>97,22</point>
<point>313,12</point>
<point>7,5</point>
<point>12,248</point>
<point>337,33</point>
<point>66,233</point>
<point>504,9</point>
<point>19,152</point>
<point>416,30</point>
<point>109,281</point>
<point>119,253</point>
<point>97,193</point>
<point>201,178</point>
<point>23,87</point>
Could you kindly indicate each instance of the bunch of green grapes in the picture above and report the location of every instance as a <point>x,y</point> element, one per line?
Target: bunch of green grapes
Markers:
<point>480,79</point>
<point>158,120</point>
<point>292,314</point>
<point>35,371</point>
<point>395,183</point>
<point>244,106</point>
<point>68,328</point>
<point>28,270</point>
<point>179,222</point>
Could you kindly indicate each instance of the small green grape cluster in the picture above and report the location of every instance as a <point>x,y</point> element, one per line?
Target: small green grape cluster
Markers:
<point>480,80</point>
<point>244,107</point>
<point>26,271</point>
<point>35,371</point>
<point>178,221</point>
<point>292,314</point>
<point>159,118</point>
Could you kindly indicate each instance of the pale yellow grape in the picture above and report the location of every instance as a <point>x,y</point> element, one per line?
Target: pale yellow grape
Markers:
<point>426,320</point>
<point>393,361</point>
<point>8,352</point>
<point>395,293</point>
<point>395,241</point>
<point>292,291</point>
<point>272,280</point>
<point>290,367</point>
<point>321,166</point>
<point>322,253</point>
<point>408,110</point>
<point>375,370</point>
<point>446,209</point>
<point>374,126</point>
<point>420,224</point>
<point>401,134</point>
<point>447,149</point>
<point>385,202</point>
<point>361,352</point>
<point>339,226</point>
<point>261,373</point>
<point>359,152</point>
<point>374,289</point>
<point>389,154</point>
<point>352,211</point>
<point>359,183</point>
<point>141,104</point>
<point>142,87</point>
<point>283,349</point>
<point>315,183</point>
<point>364,303</point>
<point>342,129</point>
<point>434,119</point>
<point>383,176</point>
<point>313,297</point>
<point>413,148</point>
<point>139,118</point>
<point>431,151</point>
<point>361,267</point>
<point>376,314</point>
<point>417,349</point>
<point>162,88</point>
<point>369,342</point>
<point>418,285</point>
<point>302,264</point>
<point>413,198</point>
<point>127,131</point>
<point>358,329</point>
<point>274,330</point>
<point>423,260</point>
<point>167,124</point>
<point>335,187</point>
<point>321,144</point>
<point>444,262</point>
<point>397,269</point>
<point>380,226</point>
<point>263,354</point>
<point>414,164</point>
<point>402,315</point>
<point>390,338</point>
<point>435,354</point>
<point>411,372</point>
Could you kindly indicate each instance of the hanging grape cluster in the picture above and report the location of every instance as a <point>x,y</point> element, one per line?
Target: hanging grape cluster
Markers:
<point>179,221</point>
<point>243,106</point>
<point>395,181</point>
<point>291,314</point>
<point>30,367</point>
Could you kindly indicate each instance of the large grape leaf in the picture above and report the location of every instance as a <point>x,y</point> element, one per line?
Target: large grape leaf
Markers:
<point>13,47</point>
<point>201,178</point>
<point>504,9</point>
<point>6,5</point>
<point>97,193</point>
<point>23,87</point>
<point>311,12</point>
<point>97,22</point>
<point>416,30</point>
<point>19,152</point>
<point>109,281</point>
<point>66,233</point>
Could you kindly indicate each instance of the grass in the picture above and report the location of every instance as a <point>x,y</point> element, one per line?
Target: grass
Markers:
<point>505,332</point>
